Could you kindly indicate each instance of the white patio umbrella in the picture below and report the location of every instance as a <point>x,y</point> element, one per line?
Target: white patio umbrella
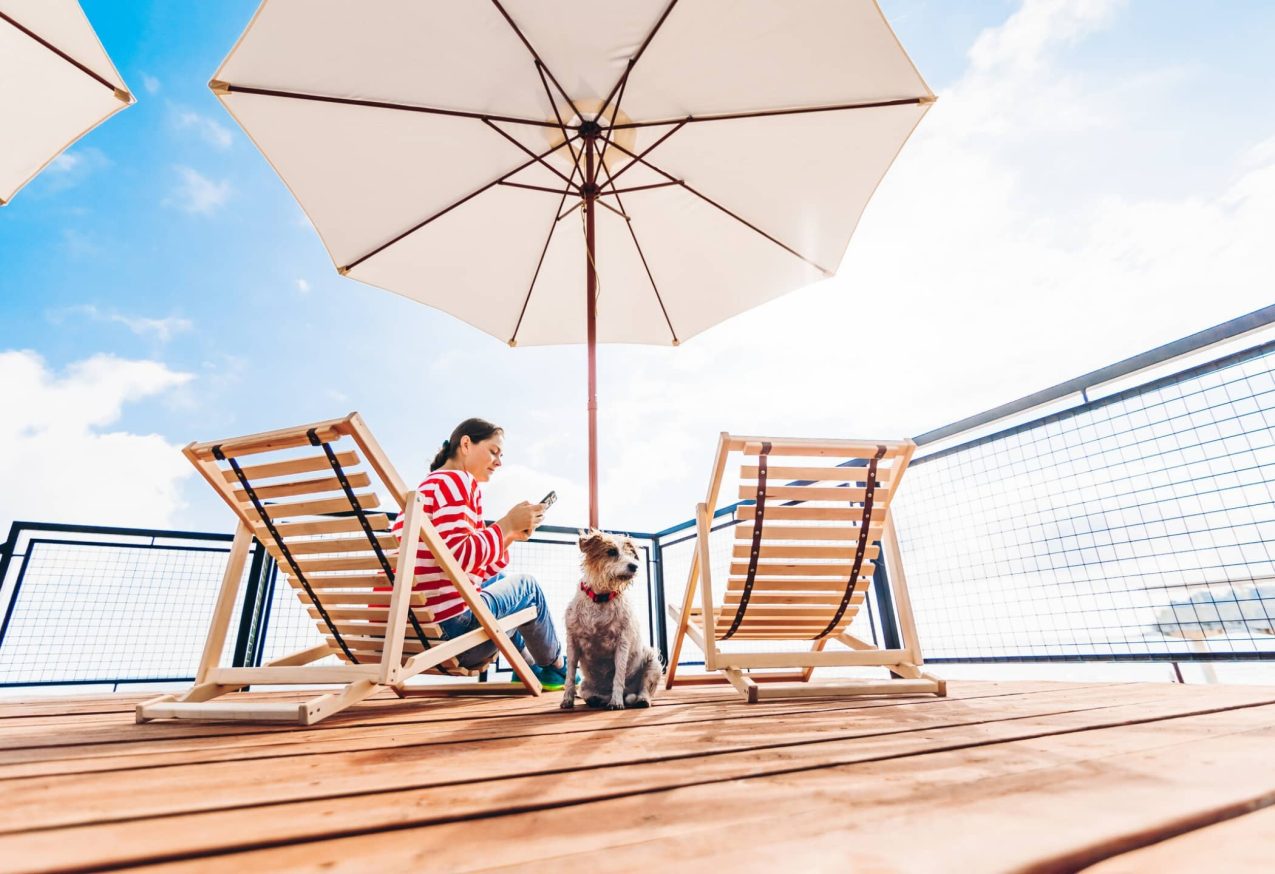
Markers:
<point>578,171</point>
<point>58,84</point>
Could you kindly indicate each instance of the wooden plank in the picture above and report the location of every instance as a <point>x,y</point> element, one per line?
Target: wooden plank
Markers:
<point>817,689</point>
<point>378,617</point>
<point>803,772</point>
<point>820,448</point>
<point>303,487</point>
<point>822,584</point>
<point>288,675</point>
<point>367,500</point>
<point>387,541</point>
<point>190,787</point>
<point>374,582</point>
<point>31,751</point>
<point>803,512</point>
<point>838,494</point>
<point>813,473</point>
<point>795,550</point>
<point>378,521</point>
<point>1240,843</point>
<point>363,562</point>
<point>292,466</point>
<point>380,598</point>
<point>266,441</point>
<point>799,822</point>
<point>219,626</point>
<point>793,569</point>
<point>806,532</point>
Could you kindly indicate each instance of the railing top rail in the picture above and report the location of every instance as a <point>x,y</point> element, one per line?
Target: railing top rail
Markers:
<point>1161,354</point>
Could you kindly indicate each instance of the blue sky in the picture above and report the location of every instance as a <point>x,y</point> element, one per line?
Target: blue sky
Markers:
<point>1097,178</point>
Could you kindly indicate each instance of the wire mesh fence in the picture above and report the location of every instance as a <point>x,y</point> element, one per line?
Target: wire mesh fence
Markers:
<point>107,605</point>
<point>1138,526</point>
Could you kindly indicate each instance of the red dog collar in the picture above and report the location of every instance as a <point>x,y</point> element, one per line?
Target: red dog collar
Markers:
<point>594,596</point>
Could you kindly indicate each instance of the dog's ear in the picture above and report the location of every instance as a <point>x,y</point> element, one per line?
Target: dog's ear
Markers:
<point>590,539</point>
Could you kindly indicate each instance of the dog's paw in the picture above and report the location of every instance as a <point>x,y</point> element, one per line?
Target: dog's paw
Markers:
<point>639,702</point>
<point>568,703</point>
<point>615,705</point>
<point>597,702</point>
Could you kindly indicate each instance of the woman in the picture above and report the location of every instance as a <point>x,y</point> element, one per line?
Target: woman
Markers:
<point>453,500</point>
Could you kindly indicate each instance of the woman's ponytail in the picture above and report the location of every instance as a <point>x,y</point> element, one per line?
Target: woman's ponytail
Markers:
<point>477,430</point>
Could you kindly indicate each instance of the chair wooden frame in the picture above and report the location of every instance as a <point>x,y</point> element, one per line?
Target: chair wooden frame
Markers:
<point>760,675</point>
<point>390,666</point>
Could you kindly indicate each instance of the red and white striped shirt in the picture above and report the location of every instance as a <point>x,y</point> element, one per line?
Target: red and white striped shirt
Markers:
<point>454,504</point>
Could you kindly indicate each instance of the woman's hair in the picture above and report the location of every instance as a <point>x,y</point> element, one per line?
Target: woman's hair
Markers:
<point>477,430</point>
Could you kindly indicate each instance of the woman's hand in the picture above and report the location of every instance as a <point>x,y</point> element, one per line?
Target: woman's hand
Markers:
<point>521,521</point>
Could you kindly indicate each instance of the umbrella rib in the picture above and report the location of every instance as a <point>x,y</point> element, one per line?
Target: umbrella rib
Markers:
<point>619,191</point>
<point>638,54</point>
<point>119,92</point>
<point>735,216</point>
<point>537,188</point>
<point>527,300</point>
<point>553,104</point>
<point>536,55</point>
<point>632,233</point>
<point>648,149</point>
<point>228,88</point>
<point>506,135</point>
<point>769,113</point>
<point>615,113</point>
<point>381,248</point>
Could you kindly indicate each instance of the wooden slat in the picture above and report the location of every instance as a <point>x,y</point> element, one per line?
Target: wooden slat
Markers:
<point>814,474</point>
<point>804,512</point>
<point>377,616</point>
<point>363,562</point>
<point>799,585</point>
<point>315,486</point>
<point>791,569</point>
<point>367,500</point>
<point>828,599</point>
<point>268,441</point>
<point>333,598</point>
<point>362,582</point>
<point>341,544</point>
<point>292,466</point>
<point>378,521</point>
<point>838,494</point>
<point>794,550</point>
<point>808,532</point>
<point>842,449</point>
<point>781,611</point>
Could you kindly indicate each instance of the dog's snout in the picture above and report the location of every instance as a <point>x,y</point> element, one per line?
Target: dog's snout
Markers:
<point>633,567</point>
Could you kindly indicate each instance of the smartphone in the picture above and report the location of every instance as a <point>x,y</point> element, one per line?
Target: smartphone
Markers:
<point>547,500</point>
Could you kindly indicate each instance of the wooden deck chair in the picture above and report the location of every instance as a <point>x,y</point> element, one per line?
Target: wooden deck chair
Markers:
<point>801,562</point>
<point>305,497</point>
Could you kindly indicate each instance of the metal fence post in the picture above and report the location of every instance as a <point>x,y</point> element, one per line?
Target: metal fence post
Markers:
<point>249,612</point>
<point>885,607</point>
<point>660,615</point>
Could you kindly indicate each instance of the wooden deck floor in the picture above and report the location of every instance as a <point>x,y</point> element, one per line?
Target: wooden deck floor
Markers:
<point>997,777</point>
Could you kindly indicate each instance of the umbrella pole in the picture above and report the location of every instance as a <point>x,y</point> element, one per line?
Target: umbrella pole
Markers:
<point>590,190</point>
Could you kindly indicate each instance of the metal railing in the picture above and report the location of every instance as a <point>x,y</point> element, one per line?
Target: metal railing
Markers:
<point>1136,526</point>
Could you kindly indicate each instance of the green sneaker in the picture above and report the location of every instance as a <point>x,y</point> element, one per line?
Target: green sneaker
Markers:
<point>551,679</point>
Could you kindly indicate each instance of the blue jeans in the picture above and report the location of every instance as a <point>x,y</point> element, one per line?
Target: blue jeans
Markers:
<point>504,596</point>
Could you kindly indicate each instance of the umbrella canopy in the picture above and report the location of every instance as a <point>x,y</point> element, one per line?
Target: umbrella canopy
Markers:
<point>561,172</point>
<point>59,85</point>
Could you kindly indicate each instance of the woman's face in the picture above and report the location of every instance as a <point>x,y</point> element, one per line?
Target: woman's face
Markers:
<point>482,459</point>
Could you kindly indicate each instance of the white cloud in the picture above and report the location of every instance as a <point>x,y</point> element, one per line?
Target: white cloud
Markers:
<point>72,167</point>
<point>303,286</point>
<point>196,193</point>
<point>150,83</point>
<point>209,130</point>
<point>161,329</point>
<point>58,460</point>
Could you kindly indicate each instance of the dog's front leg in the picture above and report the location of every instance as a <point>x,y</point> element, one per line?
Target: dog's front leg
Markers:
<point>569,688</point>
<point>621,672</point>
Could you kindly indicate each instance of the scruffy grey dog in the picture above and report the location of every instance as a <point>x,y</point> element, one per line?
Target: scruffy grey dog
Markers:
<point>604,636</point>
